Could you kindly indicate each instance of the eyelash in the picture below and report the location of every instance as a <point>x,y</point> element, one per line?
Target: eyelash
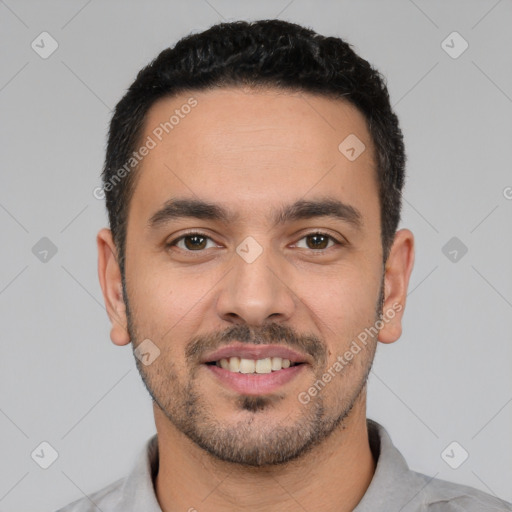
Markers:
<point>198,233</point>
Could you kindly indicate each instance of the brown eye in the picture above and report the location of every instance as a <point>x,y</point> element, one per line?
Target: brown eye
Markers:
<point>193,242</point>
<point>318,241</point>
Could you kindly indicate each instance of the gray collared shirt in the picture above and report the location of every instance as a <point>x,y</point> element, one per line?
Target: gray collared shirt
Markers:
<point>394,487</point>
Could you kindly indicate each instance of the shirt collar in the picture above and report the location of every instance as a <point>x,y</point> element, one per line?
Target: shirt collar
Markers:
<point>393,483</point>
<point>138,490</point>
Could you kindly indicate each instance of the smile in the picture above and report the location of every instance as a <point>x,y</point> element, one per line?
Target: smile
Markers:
<point>254,383</point>
<point>259,366</point>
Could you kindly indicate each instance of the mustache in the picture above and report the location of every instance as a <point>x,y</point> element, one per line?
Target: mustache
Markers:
<point>269,334</point>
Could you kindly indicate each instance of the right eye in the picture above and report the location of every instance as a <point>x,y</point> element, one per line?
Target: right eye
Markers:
<point>191,242</point>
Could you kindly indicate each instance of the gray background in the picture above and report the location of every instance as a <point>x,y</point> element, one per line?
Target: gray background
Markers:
<point>61,379</point>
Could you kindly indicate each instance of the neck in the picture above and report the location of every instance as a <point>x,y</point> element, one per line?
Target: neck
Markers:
<point>332,476</point>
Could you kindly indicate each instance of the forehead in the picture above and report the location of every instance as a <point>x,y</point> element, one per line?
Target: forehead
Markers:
<point>254,147</point>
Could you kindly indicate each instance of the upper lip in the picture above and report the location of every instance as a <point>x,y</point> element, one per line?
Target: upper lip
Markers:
<point>248,351</point>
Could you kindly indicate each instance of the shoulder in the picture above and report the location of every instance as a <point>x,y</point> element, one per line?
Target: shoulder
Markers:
<point>443,496</point>
<point>105,499</point>
<point>133,492</point>
<point>397,485</point>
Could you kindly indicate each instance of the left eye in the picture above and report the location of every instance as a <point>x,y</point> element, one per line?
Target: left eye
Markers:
<point>318,241</point>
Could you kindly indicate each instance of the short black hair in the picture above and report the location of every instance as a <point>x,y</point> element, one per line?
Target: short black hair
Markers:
<point>271,53</point>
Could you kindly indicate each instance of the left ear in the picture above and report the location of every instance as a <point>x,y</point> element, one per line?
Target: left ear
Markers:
<point>396,281</point>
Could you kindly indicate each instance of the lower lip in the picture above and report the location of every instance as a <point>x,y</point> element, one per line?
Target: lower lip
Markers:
<point>256,383</point>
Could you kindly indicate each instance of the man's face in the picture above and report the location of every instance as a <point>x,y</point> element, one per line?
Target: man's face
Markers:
<point>254,285</point>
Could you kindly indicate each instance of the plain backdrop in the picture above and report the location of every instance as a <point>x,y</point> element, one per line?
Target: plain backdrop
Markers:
<point>63,382</point>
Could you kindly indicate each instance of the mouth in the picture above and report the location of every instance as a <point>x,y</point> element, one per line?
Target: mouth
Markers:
<point>259,366</point>
<point>255,369</point>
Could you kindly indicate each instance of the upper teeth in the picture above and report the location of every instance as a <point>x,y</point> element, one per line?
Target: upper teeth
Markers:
<point>241,365</point>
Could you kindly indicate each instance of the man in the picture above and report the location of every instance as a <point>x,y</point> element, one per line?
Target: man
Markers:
<point>253,182</point>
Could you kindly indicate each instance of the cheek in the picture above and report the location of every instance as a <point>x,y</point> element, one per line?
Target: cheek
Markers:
<point>165,299</point>
<point>342,298</point>
<point>339,292</point>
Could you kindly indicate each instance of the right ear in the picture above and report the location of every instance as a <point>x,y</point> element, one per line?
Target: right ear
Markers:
<point>109,274</point>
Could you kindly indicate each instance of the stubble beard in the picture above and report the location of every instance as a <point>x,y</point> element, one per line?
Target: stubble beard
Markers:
<point>243,443</point>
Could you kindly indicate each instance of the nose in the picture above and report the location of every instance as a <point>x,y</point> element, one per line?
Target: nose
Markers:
<point>256,292</point>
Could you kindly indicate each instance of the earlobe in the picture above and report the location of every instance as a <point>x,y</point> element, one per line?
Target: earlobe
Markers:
<point>396,281</point>
<point>109,275</point>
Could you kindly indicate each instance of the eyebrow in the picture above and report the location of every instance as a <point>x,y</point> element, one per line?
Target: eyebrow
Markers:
<point>174,209</point>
